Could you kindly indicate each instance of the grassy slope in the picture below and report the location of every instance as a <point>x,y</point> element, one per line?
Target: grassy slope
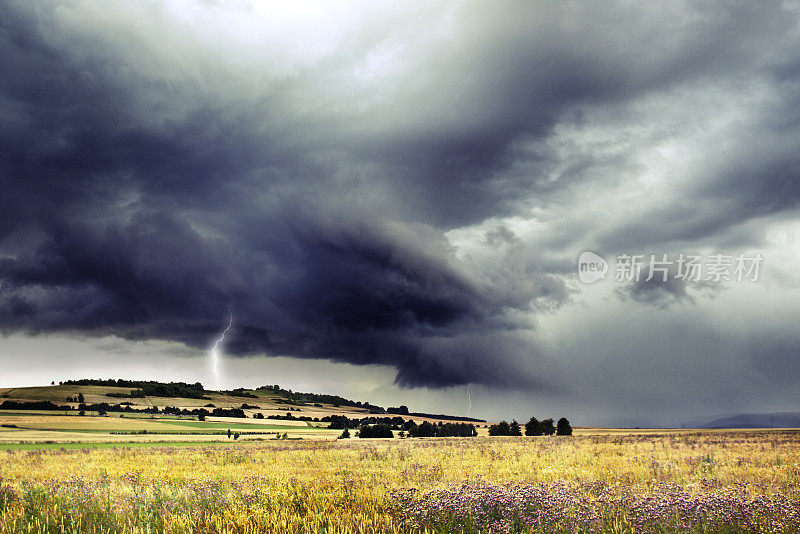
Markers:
<point>61,427</point>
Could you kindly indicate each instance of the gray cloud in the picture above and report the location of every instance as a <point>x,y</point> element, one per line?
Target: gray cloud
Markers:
<point>409,189</point>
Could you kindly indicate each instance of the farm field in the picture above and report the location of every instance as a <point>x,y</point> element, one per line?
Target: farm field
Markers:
<point>24,428</point>
<point>257,422</point>
<point>709,481</point>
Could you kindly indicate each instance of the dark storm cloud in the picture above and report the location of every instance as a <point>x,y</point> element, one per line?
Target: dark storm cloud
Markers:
<point>662,293</point>
<point>152,179</point>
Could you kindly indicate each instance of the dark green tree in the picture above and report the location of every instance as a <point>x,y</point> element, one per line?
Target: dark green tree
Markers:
<point>514,429</point>
<point>533,427</point>
<point>376,431</point>
<point>563,428</point>
<point>548,429</point>
<point>500,429</point>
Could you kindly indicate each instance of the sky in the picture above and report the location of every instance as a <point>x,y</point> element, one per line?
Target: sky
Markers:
<point>391,199</point>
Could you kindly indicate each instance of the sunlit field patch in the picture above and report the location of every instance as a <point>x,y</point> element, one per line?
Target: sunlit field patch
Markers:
<point>676,482</point>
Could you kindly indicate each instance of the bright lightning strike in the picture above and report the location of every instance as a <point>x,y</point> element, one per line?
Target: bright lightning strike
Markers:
<point>215,348</point>
<point>469,398</point>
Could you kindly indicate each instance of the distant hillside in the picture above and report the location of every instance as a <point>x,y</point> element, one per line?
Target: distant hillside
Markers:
<point>756,420</point>
<point>143,396</point>
<point>146,388</point>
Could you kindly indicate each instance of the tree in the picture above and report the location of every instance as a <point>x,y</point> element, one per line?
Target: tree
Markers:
<point>229,433</point>
<point>345,434</point>
<point>376,431</point>
<point>533,427</point>
<point>547,427</point>
<point>563,428</point>
<point>201,417</point>
<point>500,429</point>
<point>236,436</point>
<point>514,429</point>
<point>80,397</point>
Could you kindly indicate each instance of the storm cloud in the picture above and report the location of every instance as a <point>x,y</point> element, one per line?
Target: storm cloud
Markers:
<point>404,184</point>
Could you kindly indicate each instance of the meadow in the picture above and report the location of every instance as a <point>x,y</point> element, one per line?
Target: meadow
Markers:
<point>621,482</point>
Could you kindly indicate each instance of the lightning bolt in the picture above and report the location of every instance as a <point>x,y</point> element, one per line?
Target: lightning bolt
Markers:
<point>215,348</point>
<point>469,398</point>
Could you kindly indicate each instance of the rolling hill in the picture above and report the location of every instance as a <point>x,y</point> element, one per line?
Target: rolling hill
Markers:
<point>756,420</point>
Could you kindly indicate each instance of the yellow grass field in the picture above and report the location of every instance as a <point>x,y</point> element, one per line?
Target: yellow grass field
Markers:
<point>723,481</point>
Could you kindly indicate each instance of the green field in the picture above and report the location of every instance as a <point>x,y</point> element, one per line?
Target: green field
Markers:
<point>26,429</point>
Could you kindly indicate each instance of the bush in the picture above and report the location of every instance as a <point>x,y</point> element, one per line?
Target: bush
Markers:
<point>232,412</point>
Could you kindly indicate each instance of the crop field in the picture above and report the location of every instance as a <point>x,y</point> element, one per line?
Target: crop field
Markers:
<point>22,428</point>
<point>621,482</point>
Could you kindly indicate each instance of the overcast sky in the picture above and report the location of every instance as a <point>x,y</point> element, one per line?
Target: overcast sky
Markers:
<point>391,199</point>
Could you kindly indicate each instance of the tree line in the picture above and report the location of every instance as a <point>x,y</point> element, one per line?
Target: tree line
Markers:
<point>142,388</point>
<point>534,427</point>
<point>383,427</point>
<point>302,399</point>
